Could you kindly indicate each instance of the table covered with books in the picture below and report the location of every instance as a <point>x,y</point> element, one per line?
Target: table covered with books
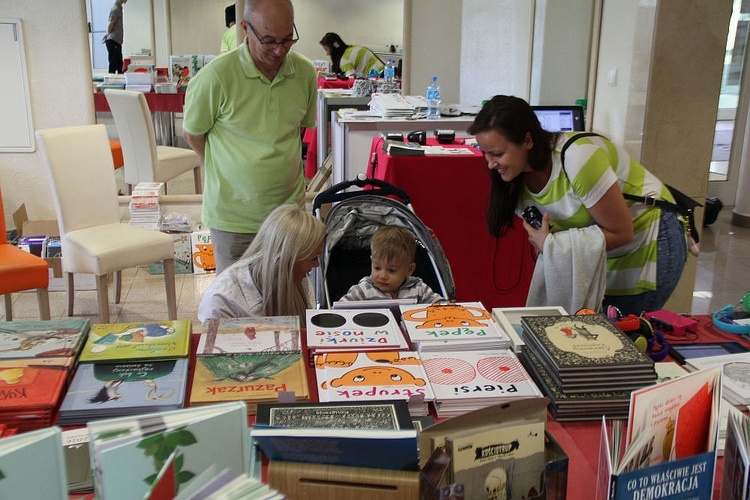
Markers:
<point>449,193</point>
<point>124,351</point>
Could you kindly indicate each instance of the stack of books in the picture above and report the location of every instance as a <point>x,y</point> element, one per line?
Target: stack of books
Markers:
<point>344,330</point>
<point>36,359</point>
<point>129,369</point>
<point>374,375</point>
<point>585,365</point>
<point>392,106</point>
<point>464,381</point>
<point>145,210</point>
<point>451,327</point>
<point>253,360</point>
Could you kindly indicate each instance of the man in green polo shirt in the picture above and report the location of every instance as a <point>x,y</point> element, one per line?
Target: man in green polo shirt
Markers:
<point>243,115</point>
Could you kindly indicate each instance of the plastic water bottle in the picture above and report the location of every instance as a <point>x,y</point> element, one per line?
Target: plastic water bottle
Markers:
<point>389,73</point>
<point>433,100</point>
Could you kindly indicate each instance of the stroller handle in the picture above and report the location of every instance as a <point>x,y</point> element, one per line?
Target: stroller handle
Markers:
<point>338,192</point>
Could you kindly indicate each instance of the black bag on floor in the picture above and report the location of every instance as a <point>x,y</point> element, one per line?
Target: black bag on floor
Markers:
<point>711,211</point>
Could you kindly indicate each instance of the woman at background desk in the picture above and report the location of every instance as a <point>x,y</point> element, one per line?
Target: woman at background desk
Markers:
<point>350,59</point>
<point>646,245</point>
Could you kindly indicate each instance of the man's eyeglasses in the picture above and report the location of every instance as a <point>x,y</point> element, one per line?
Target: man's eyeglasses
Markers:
<point>270,44</point>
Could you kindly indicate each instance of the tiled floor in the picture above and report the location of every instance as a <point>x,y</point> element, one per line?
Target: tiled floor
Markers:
<point>721,280</point>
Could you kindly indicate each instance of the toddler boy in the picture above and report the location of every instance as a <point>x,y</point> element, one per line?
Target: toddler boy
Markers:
<point>393,250</point>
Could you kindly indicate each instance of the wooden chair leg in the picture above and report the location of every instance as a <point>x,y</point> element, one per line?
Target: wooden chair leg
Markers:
<point>42,298</point>
<point>103,297</point>
<point>118,286</point>
<point>70,290</point>
<point>8,307</point>
<point>197,179</point>
<point>170,286</point>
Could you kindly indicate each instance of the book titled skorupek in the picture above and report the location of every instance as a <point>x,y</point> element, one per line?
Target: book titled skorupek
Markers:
<point>106,390</point>
<point>40,339</point>
<point>371,376</point>
<point>137,341</point>
<point>374,434</point>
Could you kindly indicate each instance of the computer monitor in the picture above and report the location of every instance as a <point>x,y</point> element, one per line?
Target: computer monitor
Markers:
<point>560,118</point>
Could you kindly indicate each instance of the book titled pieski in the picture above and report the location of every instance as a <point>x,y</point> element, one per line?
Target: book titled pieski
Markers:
<point>137,341</point>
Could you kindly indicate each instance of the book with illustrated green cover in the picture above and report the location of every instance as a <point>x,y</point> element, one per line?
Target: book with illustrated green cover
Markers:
<point>145,340</point>
<point>42,339</point>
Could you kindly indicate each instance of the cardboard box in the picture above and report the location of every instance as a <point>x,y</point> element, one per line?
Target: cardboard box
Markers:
<point>333,482</point>
<point>183,255</point>
<point>24,226</point>
<point>202,252</point>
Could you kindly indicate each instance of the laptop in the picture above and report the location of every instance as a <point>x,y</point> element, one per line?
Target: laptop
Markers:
<point>560,118</point>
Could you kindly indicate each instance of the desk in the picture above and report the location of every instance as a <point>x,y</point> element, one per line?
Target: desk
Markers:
<point>163,108</point>
<point>449,194</point>
<point>351,138</point>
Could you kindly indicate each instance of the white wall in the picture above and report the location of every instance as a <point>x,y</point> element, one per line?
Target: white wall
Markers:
<point>58,65</point>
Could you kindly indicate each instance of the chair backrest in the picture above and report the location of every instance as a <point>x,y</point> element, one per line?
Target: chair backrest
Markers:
<point>81,174</point>
<point>136,131</point>
<point>3,237</point>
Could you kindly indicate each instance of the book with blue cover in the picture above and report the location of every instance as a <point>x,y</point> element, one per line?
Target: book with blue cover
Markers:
<point>102,390</point>
<point>32,465</point>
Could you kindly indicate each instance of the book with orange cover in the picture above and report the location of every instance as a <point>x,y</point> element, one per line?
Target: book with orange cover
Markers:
<point>31,392</point>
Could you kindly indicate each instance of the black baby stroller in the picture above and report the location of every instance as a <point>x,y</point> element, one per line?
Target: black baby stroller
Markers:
<point>351,222</point>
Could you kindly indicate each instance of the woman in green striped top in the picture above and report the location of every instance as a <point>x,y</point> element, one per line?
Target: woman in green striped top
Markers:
<point>646,245</point>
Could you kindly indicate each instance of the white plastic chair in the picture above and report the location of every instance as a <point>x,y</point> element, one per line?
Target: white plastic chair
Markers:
<point>144,160</point>
<point>82,178</point>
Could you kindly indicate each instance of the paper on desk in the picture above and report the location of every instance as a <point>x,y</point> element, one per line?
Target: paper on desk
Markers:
<point>444,151</point>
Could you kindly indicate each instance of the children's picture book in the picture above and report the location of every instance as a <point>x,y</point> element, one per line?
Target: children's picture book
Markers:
<point>509,320</point>
<point>385,415</point>
<point>52,338</point>
<point>583,343</point>
<point>353,330</point>
<point>128,453</point>
<point>32,465</point>
<point>31,389</point>
<point>256,334</point>
<point>252,377</point>
<point>735,478</point>
<point>677,418</point>
<point>370,376</point>
<point>466,380</point>
<point>503,461</point>
<point>452,326</point>
<point>137,341</point>
<point>101,390</point>
<point>625,475</point>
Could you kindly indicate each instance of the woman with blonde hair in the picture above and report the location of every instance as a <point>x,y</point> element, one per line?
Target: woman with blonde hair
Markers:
<point>269,279</point>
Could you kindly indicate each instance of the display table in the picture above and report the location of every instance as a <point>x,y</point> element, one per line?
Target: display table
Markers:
<point>163,108</point>
<point>449,194</point>
<point>351,138</point>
